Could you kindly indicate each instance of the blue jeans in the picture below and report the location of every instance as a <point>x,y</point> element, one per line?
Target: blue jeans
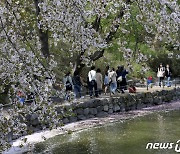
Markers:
<point>149,82</point>
<point>77,90</point>
<point>113,87</point>
<point>168,81</point>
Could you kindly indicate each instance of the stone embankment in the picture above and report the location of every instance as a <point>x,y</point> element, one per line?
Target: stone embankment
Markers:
<point>101,107</point>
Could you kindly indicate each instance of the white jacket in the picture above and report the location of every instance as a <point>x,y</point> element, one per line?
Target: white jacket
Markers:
<point>161,72</point>
<point>92,75</point>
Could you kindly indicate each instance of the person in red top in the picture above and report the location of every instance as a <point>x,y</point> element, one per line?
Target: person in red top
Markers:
<point>21,97</point>
<point>149,80</point>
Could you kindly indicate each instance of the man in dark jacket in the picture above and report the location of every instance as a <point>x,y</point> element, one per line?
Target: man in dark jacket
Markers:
<point>123,84</point>
<point>77,84</point>
<point>168,74</point>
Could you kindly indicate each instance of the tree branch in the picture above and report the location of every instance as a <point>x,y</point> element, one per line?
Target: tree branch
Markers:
<point>98,54</point>
<point>96,24</point>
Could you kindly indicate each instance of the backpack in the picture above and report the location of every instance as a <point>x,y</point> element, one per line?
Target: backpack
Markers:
<point>132,89</point>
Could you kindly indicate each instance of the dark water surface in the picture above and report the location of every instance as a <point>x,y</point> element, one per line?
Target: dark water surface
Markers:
<point>129,137</point>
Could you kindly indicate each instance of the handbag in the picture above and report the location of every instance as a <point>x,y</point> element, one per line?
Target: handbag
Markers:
<point>119,78</point>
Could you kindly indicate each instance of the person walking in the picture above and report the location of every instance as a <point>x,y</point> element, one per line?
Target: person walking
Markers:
<point>119,77</point>
<point>68,84</point>
<point>168,74</point>
<point>123,83</point>
<point>77,84</point>
<point>106,82</point>
<point>112,81</point>
<point>92,82</point>
<point>99,81</point>
<point>149,81</point>
<point>161,74</point>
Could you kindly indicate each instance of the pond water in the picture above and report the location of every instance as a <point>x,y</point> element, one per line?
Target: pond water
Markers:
<point>128,137</point>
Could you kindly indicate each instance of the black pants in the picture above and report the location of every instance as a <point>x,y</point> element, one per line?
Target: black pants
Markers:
<point>161,79</point>
<point>118,85</point>
<point>93,88</point>
<point>123,84</point>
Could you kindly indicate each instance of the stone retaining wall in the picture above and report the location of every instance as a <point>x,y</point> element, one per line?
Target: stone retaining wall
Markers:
<point>101,107</point>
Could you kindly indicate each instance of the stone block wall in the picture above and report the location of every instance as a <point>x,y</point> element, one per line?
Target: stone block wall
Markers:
<point>101,107</point>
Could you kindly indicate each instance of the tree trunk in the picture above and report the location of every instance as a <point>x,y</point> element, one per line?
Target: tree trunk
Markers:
<point>43,35</point>
<point>78,66</point>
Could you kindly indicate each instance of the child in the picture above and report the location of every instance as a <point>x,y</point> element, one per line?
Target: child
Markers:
<point>149,81</point>
<point>21,97</point>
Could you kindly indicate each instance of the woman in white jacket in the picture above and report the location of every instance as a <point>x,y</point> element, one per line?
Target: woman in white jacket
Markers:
<point>161,74</point>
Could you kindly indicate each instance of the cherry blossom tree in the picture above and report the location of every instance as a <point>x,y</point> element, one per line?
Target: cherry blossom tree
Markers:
<point>29,29</point>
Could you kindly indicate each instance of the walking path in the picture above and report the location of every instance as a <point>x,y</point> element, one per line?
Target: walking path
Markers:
<point>139,90</point>
<point>102,96</point>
